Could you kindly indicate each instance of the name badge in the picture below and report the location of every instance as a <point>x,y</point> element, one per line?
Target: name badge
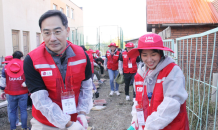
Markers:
<point>129,65</point>
<point>140,116</point>
<point>68,102</point>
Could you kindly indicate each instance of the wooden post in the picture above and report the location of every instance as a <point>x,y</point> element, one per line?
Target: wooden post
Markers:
<point>214,90</point>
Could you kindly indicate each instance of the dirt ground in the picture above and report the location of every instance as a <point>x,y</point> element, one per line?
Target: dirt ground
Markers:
<point>116,116</point>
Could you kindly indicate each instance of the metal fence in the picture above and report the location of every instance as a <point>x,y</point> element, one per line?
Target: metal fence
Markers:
<point>197,57</point>
<point>170,44</point>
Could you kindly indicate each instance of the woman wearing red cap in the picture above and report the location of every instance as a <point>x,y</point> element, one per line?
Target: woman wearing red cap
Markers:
<point>111,63</point>
<point>160,88</point>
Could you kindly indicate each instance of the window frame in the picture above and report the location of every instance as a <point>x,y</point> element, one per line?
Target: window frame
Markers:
<point>54,7</point>
<point>67,11</point>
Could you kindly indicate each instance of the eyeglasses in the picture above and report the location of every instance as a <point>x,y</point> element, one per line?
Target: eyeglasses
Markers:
<point>49,33</point>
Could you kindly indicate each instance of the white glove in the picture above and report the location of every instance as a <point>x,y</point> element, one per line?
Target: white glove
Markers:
<point>134,114</point>
<point>121,72</point>
<point>76,126</point>
<point>135,121</point>
<point>105,68</point>
<point>24,84</point>
<point>145,128</point>
<point>83,121</point>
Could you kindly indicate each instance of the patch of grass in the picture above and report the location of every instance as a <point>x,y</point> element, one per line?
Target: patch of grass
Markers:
<point>200,104</point>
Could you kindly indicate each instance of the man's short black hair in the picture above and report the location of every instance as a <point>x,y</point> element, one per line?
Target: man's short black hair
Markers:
<point>51,13</point>
<point>17,54</point>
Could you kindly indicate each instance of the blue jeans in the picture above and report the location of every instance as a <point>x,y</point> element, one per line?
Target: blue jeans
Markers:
<point>112,75</point>
<point>8,108</point>
<point>14,101</point>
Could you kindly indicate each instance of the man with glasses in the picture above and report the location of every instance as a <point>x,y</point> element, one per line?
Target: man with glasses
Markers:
<point>58,76</point>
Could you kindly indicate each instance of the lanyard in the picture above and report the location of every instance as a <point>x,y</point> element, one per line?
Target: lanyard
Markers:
<point>144,75</point>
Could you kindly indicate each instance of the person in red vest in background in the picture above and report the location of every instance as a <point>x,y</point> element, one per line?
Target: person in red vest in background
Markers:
<point>160,88</point>
<point>98,54</point>
<point>17,90</point>
<point>128,67</point>
<point>3,85</point>
<point>111,64</point>
<point>59,78</point>
<point>3,78</point>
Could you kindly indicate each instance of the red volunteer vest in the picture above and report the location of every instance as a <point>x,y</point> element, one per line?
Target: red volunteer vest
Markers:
<point>112,61</point>
<point>45,65</point>
<point>126,60</point>
<point>14,84</point>
<point>181,121</point>
<point>91,60</point>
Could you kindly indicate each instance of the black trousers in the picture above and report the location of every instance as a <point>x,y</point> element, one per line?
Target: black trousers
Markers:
<point>29,101</point>
<point>127,79</point>
<point>102,69</point>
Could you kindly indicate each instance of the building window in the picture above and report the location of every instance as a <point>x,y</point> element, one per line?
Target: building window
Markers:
<point>72,12</point>
<point>67,11</point>
<point>15,40</point>
<point>38,39</point>
<point>54,7</point>
<point>62,10</point>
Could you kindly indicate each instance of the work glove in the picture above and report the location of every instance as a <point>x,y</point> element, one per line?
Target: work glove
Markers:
<point>3,96</point>
<point>135,121</point>
<point>24,84</point>
<point>76,126</point>
<point>145,128</point>
<point>105,68</point>
<point>83,121</point>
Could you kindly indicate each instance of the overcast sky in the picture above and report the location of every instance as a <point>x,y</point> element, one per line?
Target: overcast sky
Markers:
<point>128,14</point>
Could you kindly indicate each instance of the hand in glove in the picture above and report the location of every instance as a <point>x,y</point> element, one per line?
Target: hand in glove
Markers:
<point>76,126</point>
<point>83,121</point>
<point>145,128</point>
<point>135,121</point>
<point>121,72</point>
<point>105,68</point>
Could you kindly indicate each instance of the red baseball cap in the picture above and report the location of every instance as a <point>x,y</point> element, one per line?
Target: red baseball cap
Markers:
<point>147,42</point>
<point>112,44</point>
<point>7,59</point>
<point>129,44</point>
<point>15,68</point>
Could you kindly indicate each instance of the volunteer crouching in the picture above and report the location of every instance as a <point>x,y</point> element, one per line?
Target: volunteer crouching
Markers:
<point>128,67</point>
<point>58,75</point>
<point>160,88</point>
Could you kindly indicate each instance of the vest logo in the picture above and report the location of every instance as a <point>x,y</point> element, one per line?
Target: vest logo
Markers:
<point>125,56</point>
<point>139,89</point>
<point>139,83</point>
<point>14,79</point>
<point>46,73</point>
<point>149,39</point>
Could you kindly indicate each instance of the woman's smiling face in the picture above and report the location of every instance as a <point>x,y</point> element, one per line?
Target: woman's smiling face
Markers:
<point>150,58</point>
